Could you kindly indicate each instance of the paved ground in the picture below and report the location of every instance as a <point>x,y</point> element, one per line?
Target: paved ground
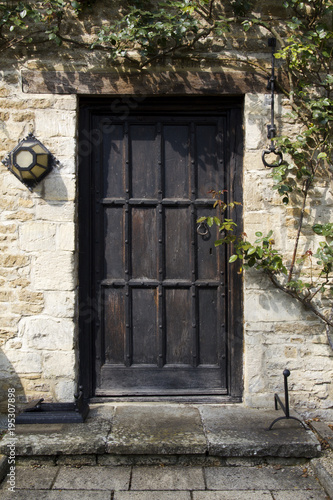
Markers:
<point>164,483</point>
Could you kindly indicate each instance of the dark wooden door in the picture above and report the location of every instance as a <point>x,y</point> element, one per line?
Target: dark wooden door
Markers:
<point>162,319</point>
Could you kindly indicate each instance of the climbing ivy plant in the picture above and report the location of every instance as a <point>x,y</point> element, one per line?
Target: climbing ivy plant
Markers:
<point>147,32</point>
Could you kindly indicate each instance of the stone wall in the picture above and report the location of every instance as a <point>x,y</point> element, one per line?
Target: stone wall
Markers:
<point>39,258</point>
<point>38,278</point>
<point>279,332</point>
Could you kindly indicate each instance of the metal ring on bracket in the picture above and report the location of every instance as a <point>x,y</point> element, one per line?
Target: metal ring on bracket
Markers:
<point>268,152</point>
<point>202,232</point>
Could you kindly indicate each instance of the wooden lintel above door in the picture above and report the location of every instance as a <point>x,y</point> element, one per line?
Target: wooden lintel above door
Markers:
<point>143,83</point>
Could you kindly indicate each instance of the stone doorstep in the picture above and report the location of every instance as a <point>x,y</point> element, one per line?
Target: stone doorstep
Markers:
<point>155,432</point>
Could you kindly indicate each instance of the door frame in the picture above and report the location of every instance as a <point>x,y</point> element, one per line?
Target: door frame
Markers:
<point>87,307</point>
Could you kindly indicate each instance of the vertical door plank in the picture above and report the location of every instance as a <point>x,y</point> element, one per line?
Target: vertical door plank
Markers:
<point>178,241</point>
<point>178,321</point>
<point>113,160</point>
<point>176,161</point>
<point>113,303</point>
<point>144,157</point>
<point>210,171</point>
<point>208,325</point>
<point>144,325</point>
<point>114,238</point>
<point>144,241</point>
<point>208,256</point>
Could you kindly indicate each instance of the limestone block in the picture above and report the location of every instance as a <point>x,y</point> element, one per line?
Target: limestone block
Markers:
<point>20,215</point>
<point>258,193</point>
<point>25,202</point>
<point>66,102</point>
<point>59,187</point>
<point>46,333</point>
<point>66,236</point>
<point>8,320</point>
<point>25,361</point>
<point>8,227</point>
<point>256,117</point>
<point>55,211</point>
<point>14,344</point>
<point>256,280</point>
<point>54,271</point>
<point>66,165</point>
<point>252,161</point>
<point>63,147</point>
<point>64,390</point>
<point>57,365</point>
<point>59,304</point>
<point>37,236</point>
<point>5,366</point>
<point>27,308</point>
<point>271,306</point>
<point>13,260</point>
<point>259,400</point>
<point>52,123</point>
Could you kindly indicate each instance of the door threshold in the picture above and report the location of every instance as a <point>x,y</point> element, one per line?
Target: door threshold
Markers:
<point>202,399</point>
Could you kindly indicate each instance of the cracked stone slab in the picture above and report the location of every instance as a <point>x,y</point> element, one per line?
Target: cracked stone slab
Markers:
<point>157,429</point>
<point>238,432</point>
<point>62,439</point>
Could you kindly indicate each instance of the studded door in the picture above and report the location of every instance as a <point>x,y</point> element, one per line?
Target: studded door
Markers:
<point>160,284</point>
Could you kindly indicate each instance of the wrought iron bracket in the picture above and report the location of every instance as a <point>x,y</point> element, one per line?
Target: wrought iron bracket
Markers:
<point>271,128</point>
<point>284,407</point>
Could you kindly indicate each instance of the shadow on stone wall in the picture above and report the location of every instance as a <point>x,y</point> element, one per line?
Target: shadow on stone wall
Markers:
<point>9,380</point>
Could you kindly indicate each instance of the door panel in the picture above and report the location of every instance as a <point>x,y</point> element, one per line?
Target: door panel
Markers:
<point>176,161</point>
<point>177,237</point>
<point>144,238</point>
<point>163,311</point>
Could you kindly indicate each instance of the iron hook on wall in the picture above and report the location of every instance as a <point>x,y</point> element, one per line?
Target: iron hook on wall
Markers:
<point>271,128</point>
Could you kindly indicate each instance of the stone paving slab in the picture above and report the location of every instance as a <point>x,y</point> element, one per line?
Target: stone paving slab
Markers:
<point>232,495</point>
<point>152,495</point>
<point>255,478</point>
<point>157,429</point>
<point>56,495</point>
<point>93,478</point>
<point>167,478</point>
<point>300,495</point>
<point>323,468</point>
<point>237,432</point>
<point>164,483</point>
<point>68,439</point>
<point>32,478</point>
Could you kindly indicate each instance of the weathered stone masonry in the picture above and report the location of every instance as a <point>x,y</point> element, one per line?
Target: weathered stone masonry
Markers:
<point>38,273</point>
<point>39,255</point>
